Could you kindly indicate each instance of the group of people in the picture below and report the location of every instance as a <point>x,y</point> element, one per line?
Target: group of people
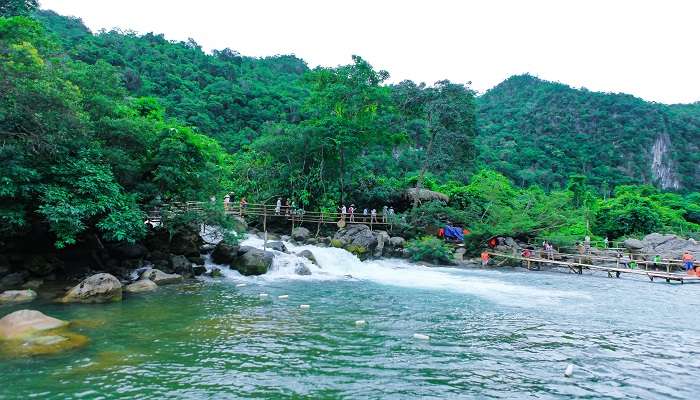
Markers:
<point>289,207</point>
<point>352,213</point>
<point>242,204</point>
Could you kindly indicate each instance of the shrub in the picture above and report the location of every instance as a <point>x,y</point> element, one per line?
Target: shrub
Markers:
<point>429,248</point>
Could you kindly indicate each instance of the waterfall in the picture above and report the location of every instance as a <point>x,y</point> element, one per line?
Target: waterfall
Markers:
<point>337,264</point>
<point>661,165</point>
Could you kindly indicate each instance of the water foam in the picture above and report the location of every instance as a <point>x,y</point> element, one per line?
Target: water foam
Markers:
<point>336,264</point>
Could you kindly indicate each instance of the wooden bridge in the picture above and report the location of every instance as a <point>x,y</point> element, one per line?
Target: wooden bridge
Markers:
<point>614,266</point>
<point>295,216</point>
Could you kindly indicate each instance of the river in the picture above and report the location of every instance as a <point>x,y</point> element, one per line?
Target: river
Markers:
<point>493,334</point>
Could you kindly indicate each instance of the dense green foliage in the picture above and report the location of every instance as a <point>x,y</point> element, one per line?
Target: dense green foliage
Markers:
<point>538,132</point>
<point>96,128</point>
<point>429,248</point>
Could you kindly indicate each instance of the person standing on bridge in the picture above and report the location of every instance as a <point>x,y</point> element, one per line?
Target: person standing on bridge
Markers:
<point>373,216</point>
<point>606,242</point>
<point>343,211</point>
<point>385,210</point>
<point>242,206</point>
<point>278,206</point>
<point>391,214</point>
<point>227,201</point>
<point>351,210</point>
<point>365,215</point>
<point>688,261</point>
<point>484,258</point>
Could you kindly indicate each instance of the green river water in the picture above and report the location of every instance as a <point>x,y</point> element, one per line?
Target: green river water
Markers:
<point>493,334</point>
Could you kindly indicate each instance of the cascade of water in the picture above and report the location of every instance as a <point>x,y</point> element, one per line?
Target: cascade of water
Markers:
<point>337,264</point>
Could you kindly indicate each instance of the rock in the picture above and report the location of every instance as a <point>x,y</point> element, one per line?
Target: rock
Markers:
<point>206,248</point>
<point>130,251</point>
<point>277,246</point>
<point>308,255</point>
<point>301,269</point>
<point>42,265</point>
<point>198,270</point>
<point>13,280</point>
<point>186,242</point>
<point>668,246</point>
<point>26,322</point>
<point>160,278</point>
<point>633,244</point>
<point>143,285</point>
<point>285,238</point>
<point>33,284</point>
<point>239,223</point>
<point>215,272</point>
<point>459,254</point>
<point>196,260</point>
<point>224,253</point>
<point>397,242</point>
<point>382,240</point>
<point>253,261</point>
<point>98,288</point>
<point>357,239</point>
<point>312,241</point>
<point>181,266</point>
<point>272,236</point>
<point>17,296</point>
<point>300,233</point>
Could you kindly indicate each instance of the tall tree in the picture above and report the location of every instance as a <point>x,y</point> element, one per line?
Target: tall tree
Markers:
<point>12,8</point>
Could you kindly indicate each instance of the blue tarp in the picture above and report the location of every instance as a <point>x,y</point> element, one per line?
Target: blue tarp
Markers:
<point>454,233</point>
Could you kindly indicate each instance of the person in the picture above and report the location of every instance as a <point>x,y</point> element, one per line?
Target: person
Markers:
<point>688,261</point>
<point>549,249</point>
<point>385,210</point>
<point>606,242</point>
<point>587,244</point>
<point>351,211</point>
<point>243,205</point>
<point>391,214</point>
<point>484,258</point>
<point>633,264</point>
<point>624,261</point>
<point>657,262</point>
<point>213,199</point>
<point>343,211</point>
<point>278,206</point>
<point>526,253</point>
<point>373,216</point>
<point>365,215</point>
<point>227,200</point>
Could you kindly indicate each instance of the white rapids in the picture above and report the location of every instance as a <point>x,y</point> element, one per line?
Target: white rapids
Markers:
<point>338,264</point>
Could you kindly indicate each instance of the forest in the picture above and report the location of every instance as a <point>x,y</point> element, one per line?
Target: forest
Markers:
<point>96,128</point>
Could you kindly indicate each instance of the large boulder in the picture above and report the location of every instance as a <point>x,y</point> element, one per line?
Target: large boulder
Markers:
<point>224,253</point>
<point>668,246</point>
<point>13,280</point>
<point>143,285</point>
<point>181,265</point>
<point>357,239</point>
<point>186,242</point>
<point>277,246</point>
<point>397,242</point>
<point>98,288</point>
<point>300,234</point>
<point>308,255</point>
<point>634,244</point>
<point>253,261</point>
<point>382,241</point>
<point>26,322</point>
<point>17,296</point>
<point>159,277</point>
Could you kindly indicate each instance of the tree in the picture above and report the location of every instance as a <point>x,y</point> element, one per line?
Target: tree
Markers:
<point>11,8</point>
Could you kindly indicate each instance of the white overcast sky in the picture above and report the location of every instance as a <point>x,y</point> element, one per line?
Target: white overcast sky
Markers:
<point>647,48</point>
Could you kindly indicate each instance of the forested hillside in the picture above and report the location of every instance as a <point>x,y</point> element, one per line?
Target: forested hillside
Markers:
<point>97,128</point>
<point>539,132</point>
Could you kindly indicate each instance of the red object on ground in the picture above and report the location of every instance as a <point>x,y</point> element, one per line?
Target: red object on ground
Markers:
<point>466,231</point>
<point>441,232</point>
<point>493,242</point>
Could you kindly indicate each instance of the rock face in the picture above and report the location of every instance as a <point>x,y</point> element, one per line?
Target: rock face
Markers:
<point>300,234</point>
<point>382,241</point>
<point>13,280</point>
<point>186,243</point>
<point>308,255</point>
<point>17,296</point>
<point>357,239</point>
<point>143,285</point>
<point>26,322</point>
<point>42,265</point>
<point>224,253</point>
<point>277,246</point>
<point>667,246</point>
<point>181,265</point>
<point>253,261</point>
<point>159,277</point>
<point>98,288</point>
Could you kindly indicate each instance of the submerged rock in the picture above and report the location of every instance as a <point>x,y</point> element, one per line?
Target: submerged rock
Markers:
<point>302,269</point>
<point>253,261</point>
<point>98,288</point>
<point>160,278</point>
<point>308,255</point>
<point>17,296</point>
<point>277,246</point>
<point>143,285</point>
<point>30,332</point>
<point>26,322</point>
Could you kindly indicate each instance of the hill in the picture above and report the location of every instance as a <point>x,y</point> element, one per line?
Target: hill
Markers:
<point>539,132</point>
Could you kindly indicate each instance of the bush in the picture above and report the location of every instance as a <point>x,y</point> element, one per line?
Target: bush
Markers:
<point>429,248</point>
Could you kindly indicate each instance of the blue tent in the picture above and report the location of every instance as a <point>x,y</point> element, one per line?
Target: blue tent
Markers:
<point>454,233</point>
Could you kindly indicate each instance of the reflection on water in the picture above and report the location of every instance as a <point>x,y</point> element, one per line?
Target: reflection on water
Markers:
<point>493,334</point>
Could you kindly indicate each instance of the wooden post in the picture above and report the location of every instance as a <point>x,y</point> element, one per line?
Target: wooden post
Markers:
<point>265,227</point>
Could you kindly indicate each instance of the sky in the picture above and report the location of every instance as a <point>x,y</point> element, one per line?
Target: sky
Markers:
<point>650,49</point>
